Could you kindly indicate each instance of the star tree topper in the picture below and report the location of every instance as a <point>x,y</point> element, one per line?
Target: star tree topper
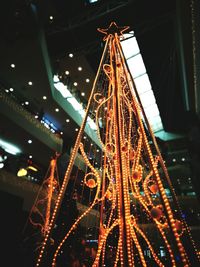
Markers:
<point>112,29</point>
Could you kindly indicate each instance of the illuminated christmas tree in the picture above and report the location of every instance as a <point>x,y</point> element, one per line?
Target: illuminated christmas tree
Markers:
<point>40,214</point>
<point>127,179</point>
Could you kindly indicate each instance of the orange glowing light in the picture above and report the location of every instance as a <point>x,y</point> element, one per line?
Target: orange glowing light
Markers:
<point>91,183</point>
<point>129,172</point>
<point>137,175</point>
<point>153,188</point>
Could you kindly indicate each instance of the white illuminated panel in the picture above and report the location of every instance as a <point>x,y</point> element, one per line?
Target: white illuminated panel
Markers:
<point>138,71</point>
<point>147,98</point>
<point>72,100</point>
<point>130,47</point>
<point>136,65</point>
<point>142,83</point>
<point>61,87</point>
<point>152,111</point>
<point>76,105</point>
<point>10,148</point>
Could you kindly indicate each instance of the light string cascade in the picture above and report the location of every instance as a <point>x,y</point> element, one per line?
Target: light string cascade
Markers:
<point>41,210</point>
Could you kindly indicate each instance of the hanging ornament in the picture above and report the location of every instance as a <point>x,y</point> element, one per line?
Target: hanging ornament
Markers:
<point>156,212</point>
<point>90,180</point>
<point>153,188</point>
<point>110,148</point>
<point>179,226</point>
<point>137,174</point>
<point>91,183</point>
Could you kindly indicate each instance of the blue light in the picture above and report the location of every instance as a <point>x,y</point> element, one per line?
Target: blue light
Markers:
<point>50,124</point>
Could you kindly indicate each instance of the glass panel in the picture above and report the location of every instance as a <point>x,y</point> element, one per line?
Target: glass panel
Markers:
<point>136,65</point>
<point>142,83</point>
<point>130,47</point>
<point>147,98</point>
<point>156,120</point>
<point>152,111</point>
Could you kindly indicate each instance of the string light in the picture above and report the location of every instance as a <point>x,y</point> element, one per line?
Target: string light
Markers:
<point>129,168</point>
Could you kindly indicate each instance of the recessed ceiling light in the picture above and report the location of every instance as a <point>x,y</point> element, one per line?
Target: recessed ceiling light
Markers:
<point>75,83</point>
<point>44,97</point>
<point>67,120</point>
<point>67,72</point>
<point>11,89</point>
<point>1,165</point>
<point>12,66</point>
<point>87,80</point>
<point>61,132</point>
<point>79,68</point>
<point>26,103</point>
<point>57,109</point>
<point>76,129</point>
<point>71,55</point>
<point>84,137</point>
<point>30,83</point>
<point>51,17</point>
<point>30,156</point>
<point>83,94</point>
<point>29,141</point>
<point>36,116</point>
<point>7,90</point>
<point>97,150</point>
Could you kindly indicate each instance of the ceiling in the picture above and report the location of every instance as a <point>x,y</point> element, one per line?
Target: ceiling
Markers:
<point>38,36</point>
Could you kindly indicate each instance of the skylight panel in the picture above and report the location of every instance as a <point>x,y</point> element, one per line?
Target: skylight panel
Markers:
<point>142,83</point>
<point>147,98</point>
<point>156,123</point>
<point>152,111</point>
<point>130,47</point>
<point>136,65</point>
<point>138,71</point>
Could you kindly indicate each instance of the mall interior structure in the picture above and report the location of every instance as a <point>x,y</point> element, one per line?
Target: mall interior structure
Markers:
<point>67,197</point>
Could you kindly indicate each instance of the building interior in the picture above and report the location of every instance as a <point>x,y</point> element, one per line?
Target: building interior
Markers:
<point>45,40</point>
